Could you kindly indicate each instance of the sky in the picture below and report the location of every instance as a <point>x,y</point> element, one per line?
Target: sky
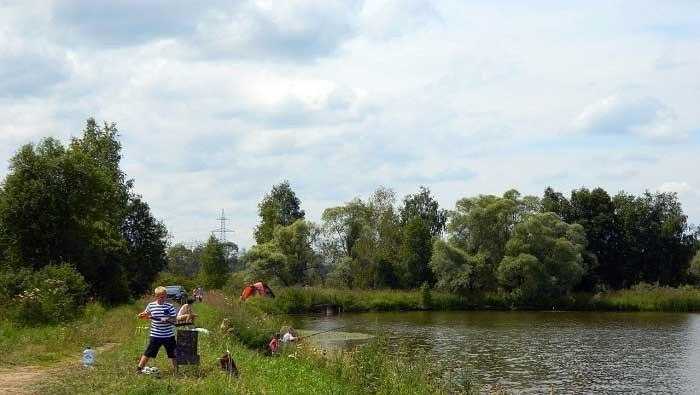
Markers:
<point>216,103</point>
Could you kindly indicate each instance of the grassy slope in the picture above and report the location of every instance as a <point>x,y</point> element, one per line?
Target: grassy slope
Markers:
<point>114,372</point>
<point>650,298</point>
<point>20,346</point>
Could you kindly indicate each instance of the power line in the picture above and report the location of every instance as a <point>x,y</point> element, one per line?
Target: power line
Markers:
<point>222,228</point>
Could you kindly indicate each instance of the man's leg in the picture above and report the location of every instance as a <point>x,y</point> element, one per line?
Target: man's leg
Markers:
<point>151,352</point>
<point>170,347</point>
<point>143,361</point>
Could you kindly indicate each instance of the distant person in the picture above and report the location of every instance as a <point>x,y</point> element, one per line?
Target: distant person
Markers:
<point>289,335</point>
<point>198,294</point>
<point>274,345</point>
<point>288,338</point>
<point>186,315</point>
<point>162,315</point>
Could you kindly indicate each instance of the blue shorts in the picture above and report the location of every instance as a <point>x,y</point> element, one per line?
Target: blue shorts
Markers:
<point>154,344</point>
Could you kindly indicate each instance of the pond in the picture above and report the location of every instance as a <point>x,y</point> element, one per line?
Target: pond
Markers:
<point>569,352</point>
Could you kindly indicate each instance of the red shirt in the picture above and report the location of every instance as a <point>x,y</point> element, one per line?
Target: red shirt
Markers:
<point>273,345</point>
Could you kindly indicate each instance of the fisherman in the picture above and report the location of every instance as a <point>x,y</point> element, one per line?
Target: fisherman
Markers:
<point>290,335</point>
<point>186,315</point>
<point>162,332</point>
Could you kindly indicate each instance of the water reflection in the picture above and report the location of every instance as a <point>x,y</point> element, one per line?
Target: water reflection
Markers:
<point>535,351</point>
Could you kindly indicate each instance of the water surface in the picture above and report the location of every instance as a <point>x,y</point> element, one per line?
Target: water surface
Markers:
<point>571,352</point>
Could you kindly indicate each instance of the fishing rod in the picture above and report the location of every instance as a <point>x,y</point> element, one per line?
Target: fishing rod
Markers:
<point>168,320</point>
<point>318,333</point>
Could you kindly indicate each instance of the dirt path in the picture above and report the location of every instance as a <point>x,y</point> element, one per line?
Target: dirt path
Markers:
<point>19,380</point>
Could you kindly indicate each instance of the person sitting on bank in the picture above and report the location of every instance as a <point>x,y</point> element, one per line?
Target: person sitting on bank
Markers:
<point>186,315</point>
<point>290,335</point>
<point>162,332</point>
<point>274,345</point>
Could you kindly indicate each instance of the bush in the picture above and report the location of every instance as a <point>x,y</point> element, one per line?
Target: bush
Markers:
<point>694,269</point>
<point>235,283</point>
<point>426,296</point>
<point>53,294</point>
<point>12,282</point>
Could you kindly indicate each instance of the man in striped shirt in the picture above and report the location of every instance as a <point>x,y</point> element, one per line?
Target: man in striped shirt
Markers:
<point>162,316</point>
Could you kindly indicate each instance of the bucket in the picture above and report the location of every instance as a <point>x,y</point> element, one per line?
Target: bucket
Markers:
<point>186,352</point>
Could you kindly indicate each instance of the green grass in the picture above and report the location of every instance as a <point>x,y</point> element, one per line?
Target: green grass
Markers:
<point>645,297</point>
<point>115,370</point>
<point>21,345</point>
<point>300,300</point>
<point>299,369</point>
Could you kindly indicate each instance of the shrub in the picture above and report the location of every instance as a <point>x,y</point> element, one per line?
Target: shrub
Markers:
<point>12,282</point>
<point>53,294</point>
<point>426,296</point>
<point>694,269</point>
<point>235,283</point>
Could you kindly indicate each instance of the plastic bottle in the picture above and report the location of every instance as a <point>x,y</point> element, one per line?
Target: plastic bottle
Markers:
<point>88,357</point>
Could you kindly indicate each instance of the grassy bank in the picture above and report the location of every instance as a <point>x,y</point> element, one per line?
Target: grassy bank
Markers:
<point>115,371</point>
<point>642,297</point>
<point>21,345</point>
<point>300,300</point>
<point>645,297</point>
<point>299,369</point>
<point>367,369</point>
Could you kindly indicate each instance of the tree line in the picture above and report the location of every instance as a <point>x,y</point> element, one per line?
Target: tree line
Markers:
<point>70,221</point>
<point>530,248</point>
<point>72,228</point>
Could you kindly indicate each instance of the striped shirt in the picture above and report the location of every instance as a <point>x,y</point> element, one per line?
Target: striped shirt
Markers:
<point>159,314</point>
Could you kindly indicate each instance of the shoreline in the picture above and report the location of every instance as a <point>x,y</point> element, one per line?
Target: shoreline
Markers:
<point>643,298</point>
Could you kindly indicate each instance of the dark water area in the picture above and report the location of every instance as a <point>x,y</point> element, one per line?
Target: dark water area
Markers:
<point>534,352</point>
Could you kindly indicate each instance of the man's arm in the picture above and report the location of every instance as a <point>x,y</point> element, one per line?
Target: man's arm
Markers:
<point>145,314</point>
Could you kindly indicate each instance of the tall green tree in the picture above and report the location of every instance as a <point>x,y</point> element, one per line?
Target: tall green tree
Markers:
<point>279,207</point>
<point>182,261</point>
<point>145,239</point>
<point>364,240</point>
<point>456,270</point>
<point>386,230</point>
<point>266,262</point>
<point>632,238</point>
<point>656,241</point>
<point>74,205</point>
<point>481,226</point>
<point>422,205</point>
<point>543,259</point>
<point>416,251</point>
<point>422,220</point>
<point>214,269</point>
<point>341,228</point>
<point>478,232</point>
<point>287,258</point>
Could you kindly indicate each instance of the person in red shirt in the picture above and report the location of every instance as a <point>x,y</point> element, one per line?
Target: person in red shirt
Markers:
<point>274,345</point>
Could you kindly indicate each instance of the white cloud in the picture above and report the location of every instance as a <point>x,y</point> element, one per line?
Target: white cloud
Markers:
<point>645,116</point>
<point>674,186</point>
<point>301,30</point>
<point>216,102</point>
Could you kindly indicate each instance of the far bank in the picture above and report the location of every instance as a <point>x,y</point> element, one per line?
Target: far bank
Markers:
<point>643,297</point>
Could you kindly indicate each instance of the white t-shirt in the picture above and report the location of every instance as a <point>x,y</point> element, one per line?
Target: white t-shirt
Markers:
<point>288,337</point>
